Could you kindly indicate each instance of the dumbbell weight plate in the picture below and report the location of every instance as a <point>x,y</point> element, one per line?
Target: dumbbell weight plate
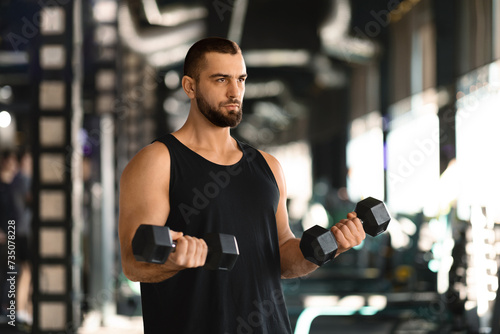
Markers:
<point>222,251</point>
<point>152,243</point>
<point>318,245</point>
<point>374,215</point>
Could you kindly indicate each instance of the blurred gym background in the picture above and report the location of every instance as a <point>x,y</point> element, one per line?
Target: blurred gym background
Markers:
<point>395,99</point>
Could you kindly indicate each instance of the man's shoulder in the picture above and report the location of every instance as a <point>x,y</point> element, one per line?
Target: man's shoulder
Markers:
<point>270,159</point>
<point>150,159</point>
<point>154,151</point>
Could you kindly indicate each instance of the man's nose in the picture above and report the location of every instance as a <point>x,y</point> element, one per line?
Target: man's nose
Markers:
<point>234,90</point>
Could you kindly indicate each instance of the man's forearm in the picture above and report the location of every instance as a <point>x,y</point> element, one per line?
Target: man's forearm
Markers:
<point>293,263</point>
<point>149,272</point>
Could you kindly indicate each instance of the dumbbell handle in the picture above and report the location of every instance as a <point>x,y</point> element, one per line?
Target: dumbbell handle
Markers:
<point>174,246</point>
<point>319,245</point>
<point>214,259</point>
<point>222,248</point>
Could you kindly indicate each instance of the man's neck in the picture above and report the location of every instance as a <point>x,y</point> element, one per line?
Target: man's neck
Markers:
<point>208,140</point>
<point>216,140</point>
<point>199,132</point>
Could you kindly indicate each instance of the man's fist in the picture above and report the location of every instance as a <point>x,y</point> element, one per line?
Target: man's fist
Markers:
<point>348,232</point>
<point>190,252</point>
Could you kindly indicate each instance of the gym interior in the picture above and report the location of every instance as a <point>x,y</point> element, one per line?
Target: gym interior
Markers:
<point>393,99</point>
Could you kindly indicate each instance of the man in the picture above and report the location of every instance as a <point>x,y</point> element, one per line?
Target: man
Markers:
<point>198,180</point>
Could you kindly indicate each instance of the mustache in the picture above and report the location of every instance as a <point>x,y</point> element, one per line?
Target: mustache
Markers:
<point>235,101</point>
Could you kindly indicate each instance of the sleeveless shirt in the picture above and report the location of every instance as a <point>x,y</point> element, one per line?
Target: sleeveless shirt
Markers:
<point>240,200</point>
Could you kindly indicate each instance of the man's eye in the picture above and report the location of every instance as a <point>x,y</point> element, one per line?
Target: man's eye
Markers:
<point>221,80</point>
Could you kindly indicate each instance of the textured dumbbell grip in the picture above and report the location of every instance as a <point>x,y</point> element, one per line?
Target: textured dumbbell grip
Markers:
<point>216,259</point>
<point>174,246</point>
<point>153,244</point>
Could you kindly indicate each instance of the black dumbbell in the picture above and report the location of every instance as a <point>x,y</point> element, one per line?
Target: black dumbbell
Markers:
<point>154,244</point>
<point>318,244</point>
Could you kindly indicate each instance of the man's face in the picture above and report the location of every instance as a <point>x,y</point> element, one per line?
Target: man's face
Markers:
<point>220,88</point>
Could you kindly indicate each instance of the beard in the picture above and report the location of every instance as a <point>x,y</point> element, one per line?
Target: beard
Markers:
<point>217,116</point>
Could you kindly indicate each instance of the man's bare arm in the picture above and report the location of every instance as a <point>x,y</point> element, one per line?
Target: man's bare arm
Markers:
<point>293,263</point>
<point>348,232</point>
<point>144,199</point>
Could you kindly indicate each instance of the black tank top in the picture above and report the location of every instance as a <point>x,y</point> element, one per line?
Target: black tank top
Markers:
<point>241,200</point>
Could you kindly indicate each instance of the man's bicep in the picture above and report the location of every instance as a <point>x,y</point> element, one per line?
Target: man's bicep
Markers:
<point>143,193</point>
<point>282,223</point>
<point>142,202</point>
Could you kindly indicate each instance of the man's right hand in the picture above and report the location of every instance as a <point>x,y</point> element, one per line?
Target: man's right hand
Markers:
<point>190,252</point>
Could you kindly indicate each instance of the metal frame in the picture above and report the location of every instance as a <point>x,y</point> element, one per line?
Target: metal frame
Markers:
<point>49,299</point>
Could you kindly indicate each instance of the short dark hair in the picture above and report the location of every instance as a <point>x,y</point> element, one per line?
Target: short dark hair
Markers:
<point>195,57</point>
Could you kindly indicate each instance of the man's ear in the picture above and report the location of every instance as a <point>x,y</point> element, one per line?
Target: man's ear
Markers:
<point>189,86</point>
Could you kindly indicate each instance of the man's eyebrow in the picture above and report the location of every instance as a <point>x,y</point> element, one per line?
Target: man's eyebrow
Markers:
<point>222,75</point>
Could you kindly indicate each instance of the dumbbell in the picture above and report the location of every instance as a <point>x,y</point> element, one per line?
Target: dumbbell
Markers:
<point>318,244</point>
<point>153,244</point>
